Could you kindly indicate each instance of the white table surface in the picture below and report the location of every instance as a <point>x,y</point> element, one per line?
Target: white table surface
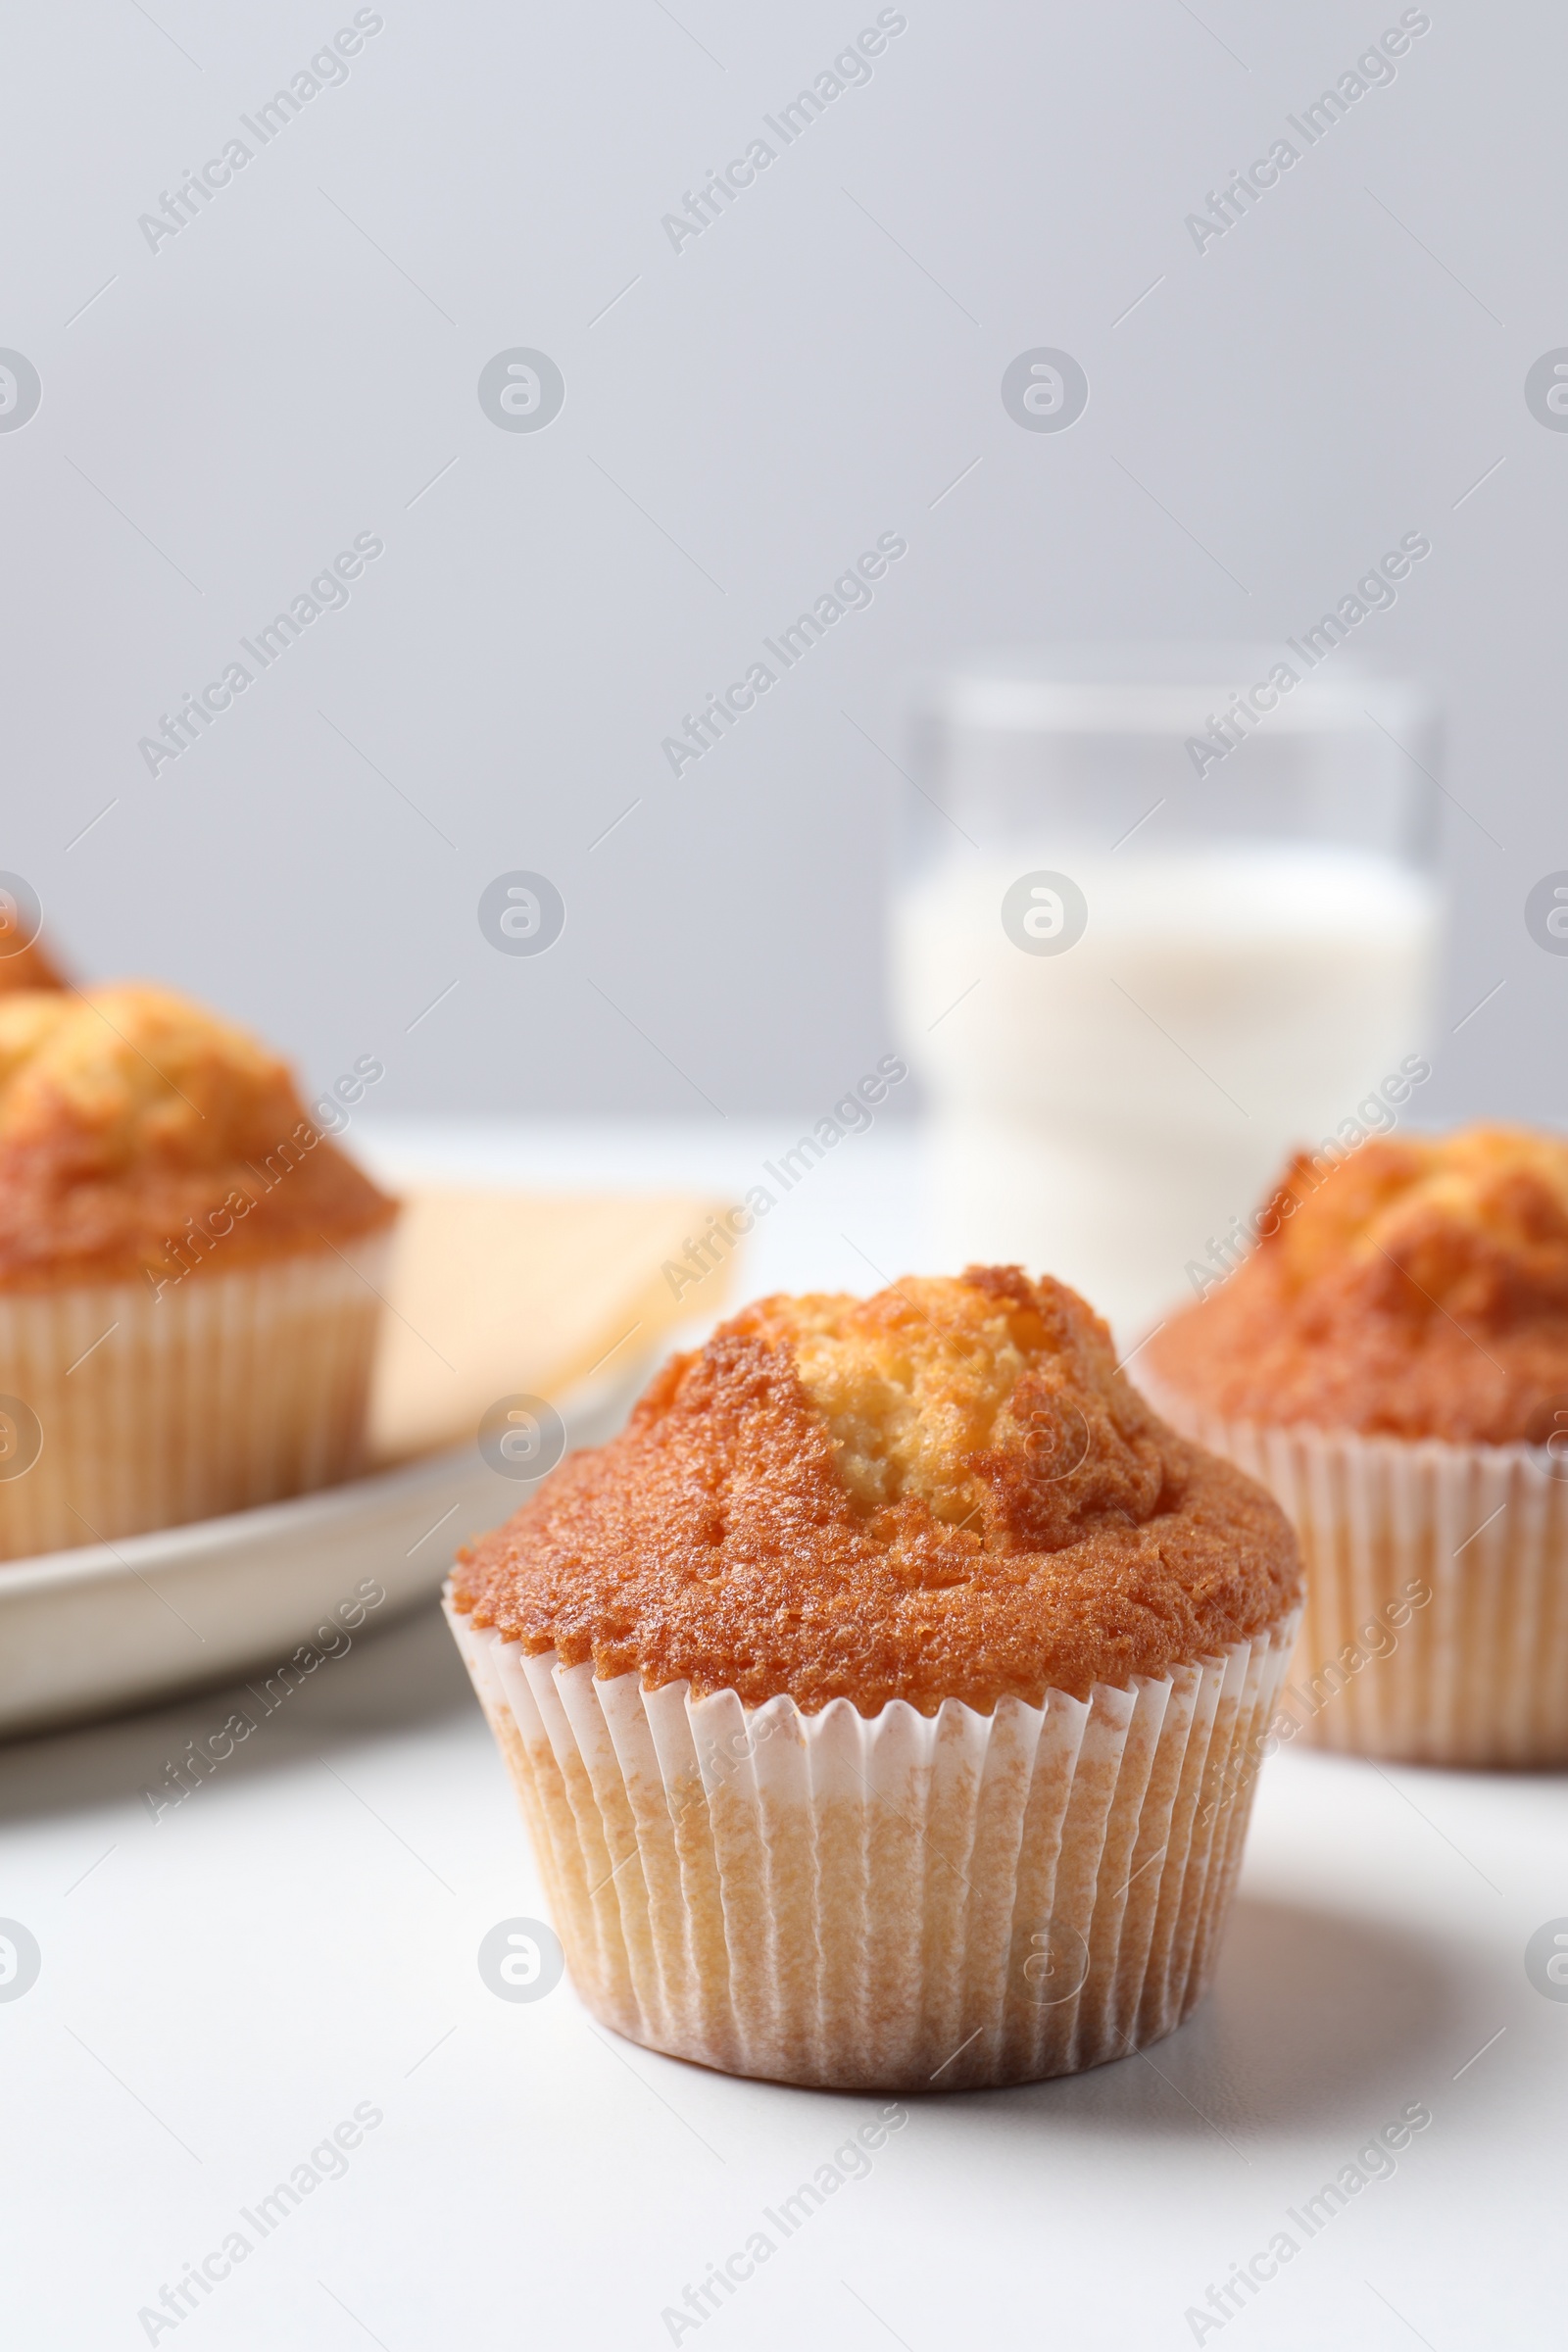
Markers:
<point>220,1987</point>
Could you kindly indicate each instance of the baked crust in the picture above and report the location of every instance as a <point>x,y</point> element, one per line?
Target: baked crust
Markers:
<point>140,1133</point>
<point>29,967</point>
<point>1420,1290</point>
<point>945,1490</point>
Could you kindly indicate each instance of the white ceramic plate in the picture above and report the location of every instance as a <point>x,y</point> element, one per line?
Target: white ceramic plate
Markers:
<point>107,1627</point>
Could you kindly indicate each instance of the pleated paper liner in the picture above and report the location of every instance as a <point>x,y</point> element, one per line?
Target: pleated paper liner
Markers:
<point>907,1902</point>
<point>1435,1628</point>
<point>233,1388</point>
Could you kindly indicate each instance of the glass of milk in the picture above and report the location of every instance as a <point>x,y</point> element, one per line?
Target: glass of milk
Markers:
<point>1160,915</point>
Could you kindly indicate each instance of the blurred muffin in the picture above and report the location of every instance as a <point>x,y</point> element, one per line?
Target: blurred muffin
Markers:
<point>1392,1361</point>
<point>188,1272</point>
<point>880,1701</point>
<point>23,961</point>
<point>28,967</point>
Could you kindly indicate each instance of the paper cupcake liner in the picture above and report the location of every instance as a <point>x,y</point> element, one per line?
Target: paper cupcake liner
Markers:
<point>907,1902</point>
<point>1435,1627</point>
<point>233,1388</point>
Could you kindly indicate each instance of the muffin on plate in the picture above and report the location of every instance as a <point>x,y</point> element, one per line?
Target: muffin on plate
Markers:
<point>1392,1361</point>
<point>880,1701</point>
<point>189,1272</point>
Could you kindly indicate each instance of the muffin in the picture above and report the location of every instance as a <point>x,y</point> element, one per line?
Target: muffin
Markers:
<point>1392,1361</point>
<point>880,1701</point>
<point>189,1272</point>
<point>24,964</point>
<point>23,961</point>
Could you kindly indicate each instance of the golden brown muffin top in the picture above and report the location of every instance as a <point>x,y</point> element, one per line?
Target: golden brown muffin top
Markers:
<point>140,1133</point>
<point>1418,1290</point>
<point>945,1490</point>
<point>28,967</point>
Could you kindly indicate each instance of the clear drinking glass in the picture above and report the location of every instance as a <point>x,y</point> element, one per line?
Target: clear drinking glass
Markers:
<point>1159,915</point>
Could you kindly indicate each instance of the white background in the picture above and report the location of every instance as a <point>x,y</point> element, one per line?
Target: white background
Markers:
<point>817,368</point>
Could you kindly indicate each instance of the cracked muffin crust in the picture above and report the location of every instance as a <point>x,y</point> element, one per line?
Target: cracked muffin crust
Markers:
<point>138,1132</point>
<point>1418,1290</point>
<point>945,1490</point>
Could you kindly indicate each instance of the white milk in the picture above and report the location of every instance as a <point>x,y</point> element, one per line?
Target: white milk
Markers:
<point>1104,1112</point>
